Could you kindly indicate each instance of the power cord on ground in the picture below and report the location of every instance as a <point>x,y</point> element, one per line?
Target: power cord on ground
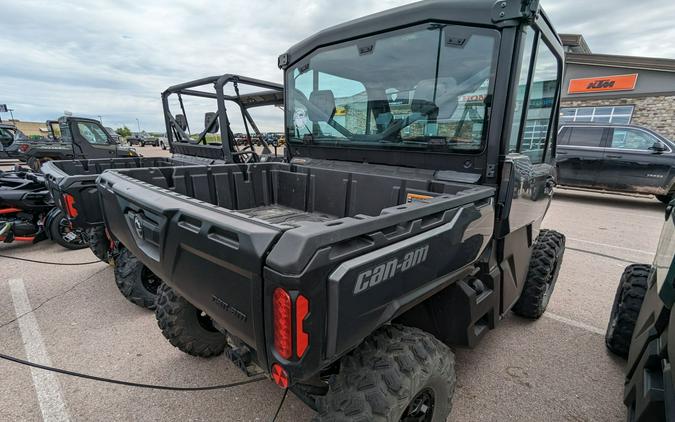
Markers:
<point>281,404</point>
<point>48,262</point>
<point>128,383</point>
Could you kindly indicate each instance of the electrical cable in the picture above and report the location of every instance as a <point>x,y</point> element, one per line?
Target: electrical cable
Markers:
<point>128,383</point>
<point>48,262</point>
<point>281,404</point>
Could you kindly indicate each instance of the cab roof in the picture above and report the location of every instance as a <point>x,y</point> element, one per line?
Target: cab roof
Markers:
<point>486,13</point>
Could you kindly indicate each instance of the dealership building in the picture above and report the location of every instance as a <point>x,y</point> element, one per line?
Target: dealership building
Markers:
<point>605,88</point>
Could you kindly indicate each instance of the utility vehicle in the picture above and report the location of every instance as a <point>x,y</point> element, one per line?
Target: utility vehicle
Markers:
<point>143,139</point>
<point>406,218</point>
<point>641,329</point>
<point>10,137</point>
<point>72,182</point>
<point>72,137</point>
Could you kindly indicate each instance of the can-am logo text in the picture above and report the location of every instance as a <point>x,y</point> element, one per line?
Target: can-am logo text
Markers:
<point>383,272</point>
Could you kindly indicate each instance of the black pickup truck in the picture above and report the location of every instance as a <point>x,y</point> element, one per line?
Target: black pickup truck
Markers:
<point>72,183</point>
<point>406,218</point>
<point>616,158</point>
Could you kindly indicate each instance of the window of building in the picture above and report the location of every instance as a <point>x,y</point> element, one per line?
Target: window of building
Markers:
<point>620,115</point>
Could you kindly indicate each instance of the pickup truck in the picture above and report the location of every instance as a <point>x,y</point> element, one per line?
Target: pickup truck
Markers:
<point>642,329</point>
<point>72,138</point>
<point>72,184</point>
<point>398,225</point>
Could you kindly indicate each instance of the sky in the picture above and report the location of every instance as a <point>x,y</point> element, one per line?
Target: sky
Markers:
<point>113,58</point>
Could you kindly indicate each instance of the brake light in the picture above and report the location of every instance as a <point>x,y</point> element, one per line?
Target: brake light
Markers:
<point>280,376</point>
<point>281,309</point>
<point>24,147</point>
<point>301,337</point>
<point>69,201</point>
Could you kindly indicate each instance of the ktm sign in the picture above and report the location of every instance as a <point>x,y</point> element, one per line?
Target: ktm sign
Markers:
<point>603,84</point>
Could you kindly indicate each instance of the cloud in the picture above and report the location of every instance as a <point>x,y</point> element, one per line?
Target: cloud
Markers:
<point>113,58</point>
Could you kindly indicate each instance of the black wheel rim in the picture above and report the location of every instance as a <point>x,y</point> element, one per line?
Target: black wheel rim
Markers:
<point>65,228</point>
<point>150,281</point>
<point>421,408</point>
<point>205,322</point>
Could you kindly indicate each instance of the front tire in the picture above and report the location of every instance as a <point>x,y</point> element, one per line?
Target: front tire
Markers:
<point>186,327</point>
<point>627,303</point>
<point>398,373</point>
<point>99,243</point>
<point>545,263</point>
<point>135,281</point>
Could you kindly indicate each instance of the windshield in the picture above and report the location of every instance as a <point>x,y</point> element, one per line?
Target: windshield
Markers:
<point>425,87</point>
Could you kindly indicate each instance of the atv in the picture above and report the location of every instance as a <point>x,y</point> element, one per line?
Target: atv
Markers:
<point>405,219</point>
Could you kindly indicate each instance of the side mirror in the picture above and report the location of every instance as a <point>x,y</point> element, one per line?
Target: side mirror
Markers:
<point>181,120</point>
<point>322,106</point>
<point>658,147</point>
<point>209,120</point>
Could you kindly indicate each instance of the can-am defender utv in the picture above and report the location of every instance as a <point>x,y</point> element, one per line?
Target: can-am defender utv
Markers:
<point>421,144</point>
<point>642,329</point>
<point>73,183</point>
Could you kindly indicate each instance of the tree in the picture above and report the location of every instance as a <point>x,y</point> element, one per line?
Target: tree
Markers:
<point>124,132</point>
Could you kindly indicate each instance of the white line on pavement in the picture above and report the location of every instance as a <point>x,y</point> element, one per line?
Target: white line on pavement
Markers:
<point>611,246</point>
<point>52,405</point>
<point>574,323</point>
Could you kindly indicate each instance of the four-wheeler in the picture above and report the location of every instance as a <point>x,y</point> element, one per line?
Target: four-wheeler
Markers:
<point>27,213</point>
<point>405,219</point>
<point>616,158</point>
<point>72,183</point>
<point>10,137</point>
<point>642,329</point>
<point>72,138</point>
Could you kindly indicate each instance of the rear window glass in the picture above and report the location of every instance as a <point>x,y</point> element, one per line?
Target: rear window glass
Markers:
<point>586,136</point>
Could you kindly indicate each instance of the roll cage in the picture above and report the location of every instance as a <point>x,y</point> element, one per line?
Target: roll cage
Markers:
<point>178,128</point>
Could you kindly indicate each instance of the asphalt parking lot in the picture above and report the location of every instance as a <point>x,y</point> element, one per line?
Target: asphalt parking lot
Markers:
<point>555,369</point>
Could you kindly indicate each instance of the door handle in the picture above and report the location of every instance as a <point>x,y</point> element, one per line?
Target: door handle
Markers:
<point>561,153</point>
<point>614,156</point>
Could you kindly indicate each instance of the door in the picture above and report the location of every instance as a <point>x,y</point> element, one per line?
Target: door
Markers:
<point>631,165</point>
<point>580,154</point>
<point>90,140</point>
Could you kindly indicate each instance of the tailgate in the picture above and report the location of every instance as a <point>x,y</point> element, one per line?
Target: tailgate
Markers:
<point>212,257</point>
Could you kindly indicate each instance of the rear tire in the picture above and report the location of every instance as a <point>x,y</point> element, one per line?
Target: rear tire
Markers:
<point>398,372</point>
<point>186,327</point>
<point>627,303</point>
<point>34,164</point>
<point>135,281</point>
<point>99,243</point>
<point>547,256</point>
<point>59,227</point>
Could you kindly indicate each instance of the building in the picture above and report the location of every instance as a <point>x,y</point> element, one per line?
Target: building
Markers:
<point>607,88</point>
<point>30,129</point>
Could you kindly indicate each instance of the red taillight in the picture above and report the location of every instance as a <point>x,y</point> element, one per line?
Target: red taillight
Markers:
<point>69,202</point>
<point>280,376</point>
<point>24,147</point>
<point>281,308</point>
<point>302,338</point>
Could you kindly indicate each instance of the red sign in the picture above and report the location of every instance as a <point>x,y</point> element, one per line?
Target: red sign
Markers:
<point>603,84</point>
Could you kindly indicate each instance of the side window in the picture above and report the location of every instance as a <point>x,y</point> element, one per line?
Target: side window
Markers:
<point>92,133</point>
<point>632,139</point>
<point>586,136</point>
<point>528,40</point>
<point>543,90</point>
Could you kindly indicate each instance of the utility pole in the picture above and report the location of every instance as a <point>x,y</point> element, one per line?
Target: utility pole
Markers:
<point>100,119</point>
<point>139,125</point>
<point>10,113</point>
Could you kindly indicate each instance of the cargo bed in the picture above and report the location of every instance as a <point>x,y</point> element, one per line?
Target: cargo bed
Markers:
<point>78,178</point>
<point>214,232</point>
